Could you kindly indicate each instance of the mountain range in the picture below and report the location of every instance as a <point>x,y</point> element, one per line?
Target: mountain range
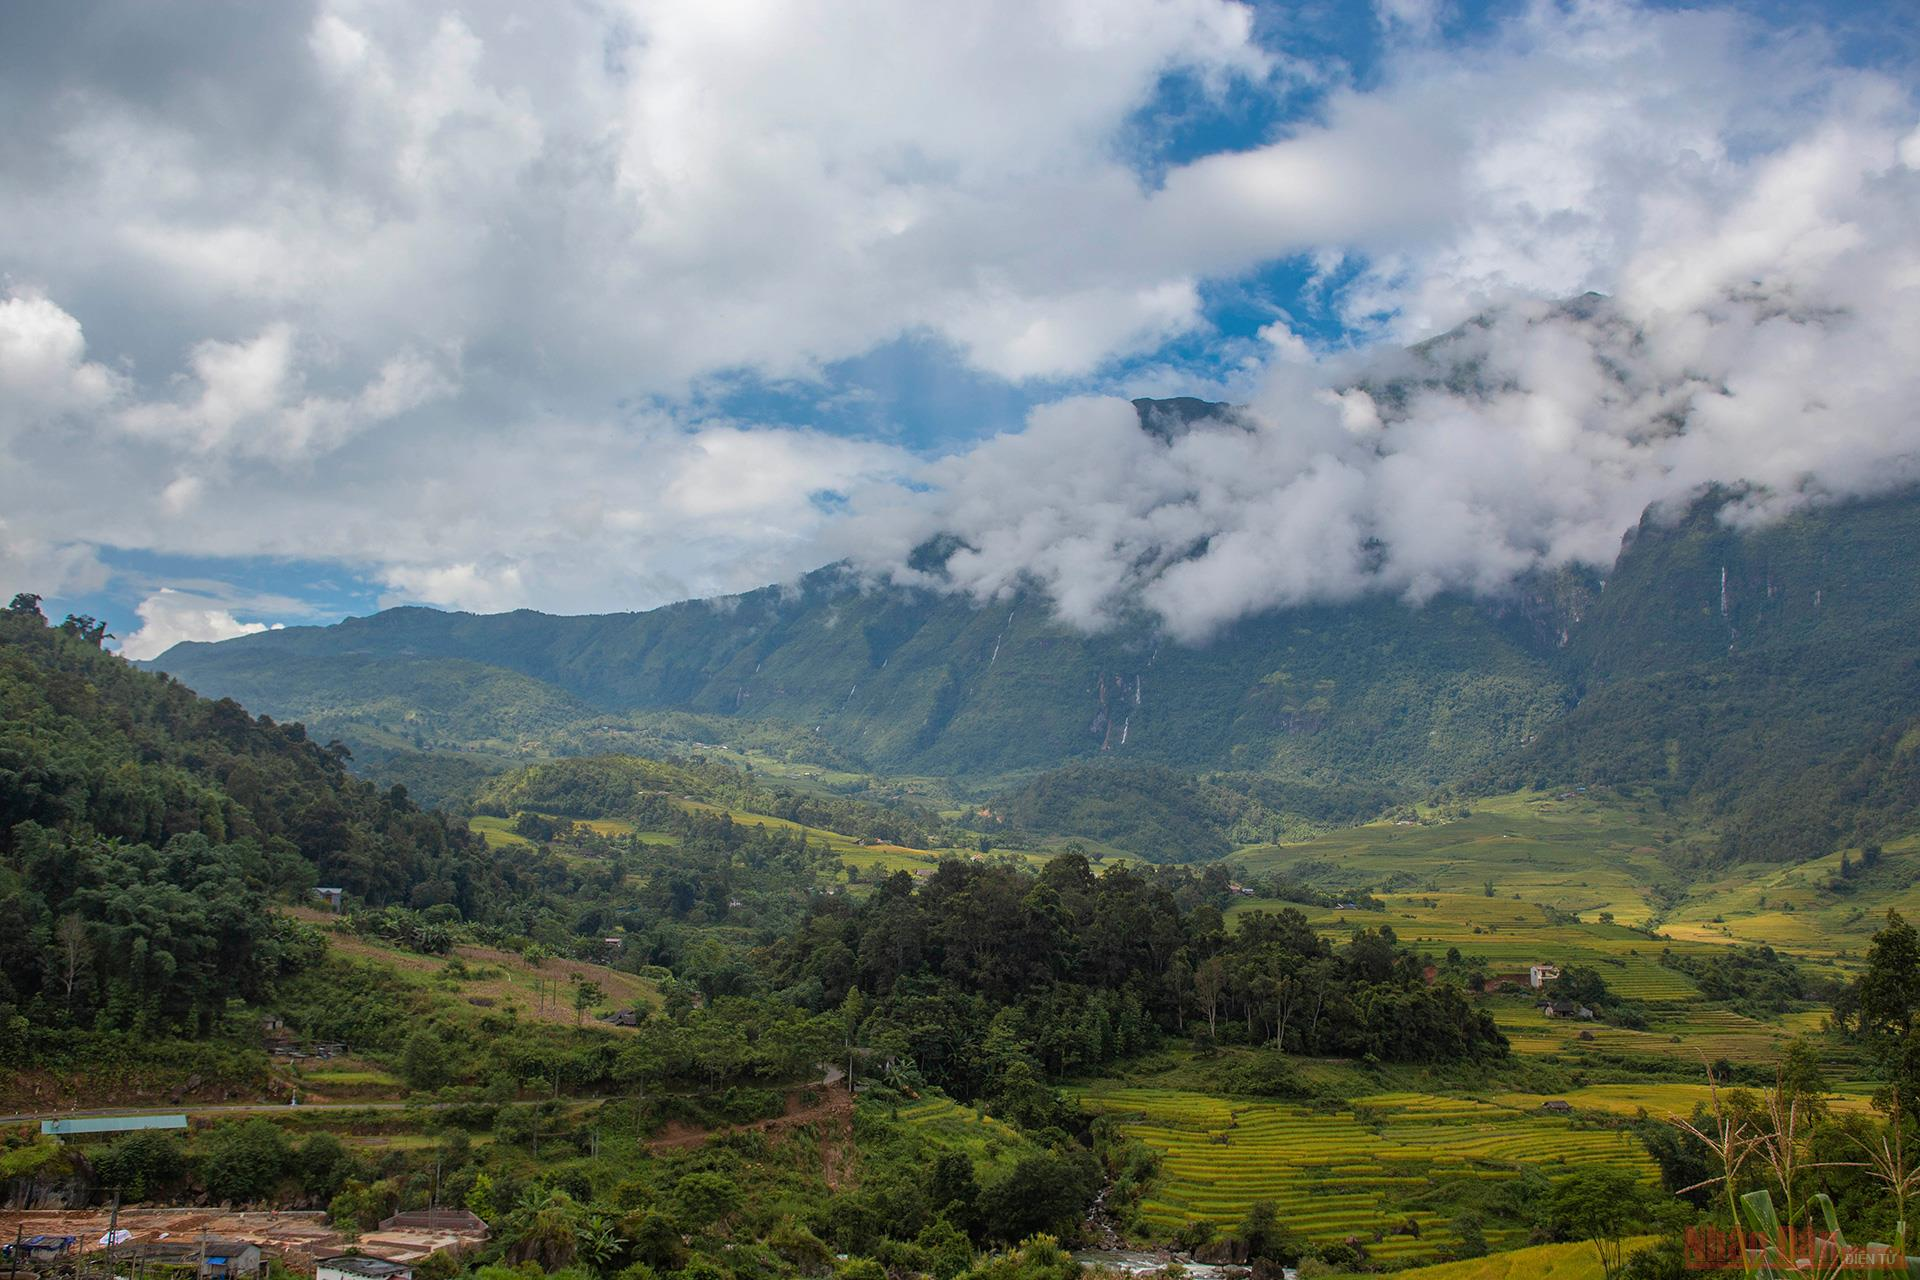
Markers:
<point>1766,677</point>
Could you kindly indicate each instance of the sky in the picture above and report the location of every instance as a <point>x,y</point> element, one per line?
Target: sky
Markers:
<point>320,307</point>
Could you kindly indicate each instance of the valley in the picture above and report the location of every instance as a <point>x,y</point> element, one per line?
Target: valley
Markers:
<point>1338,947</point>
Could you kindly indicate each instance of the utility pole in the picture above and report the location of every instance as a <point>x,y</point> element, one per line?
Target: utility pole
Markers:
<point>13,1269</point>
<point>113,1231</point>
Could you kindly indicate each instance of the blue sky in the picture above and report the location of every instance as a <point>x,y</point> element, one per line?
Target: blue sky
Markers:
<point>404,308</point>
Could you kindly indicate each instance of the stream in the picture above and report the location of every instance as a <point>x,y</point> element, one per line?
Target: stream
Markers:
<point>1110,1252</point>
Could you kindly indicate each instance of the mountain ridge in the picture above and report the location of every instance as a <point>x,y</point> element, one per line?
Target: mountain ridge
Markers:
<point>1705,656</point>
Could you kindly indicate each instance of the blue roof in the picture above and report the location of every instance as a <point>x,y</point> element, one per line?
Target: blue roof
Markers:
<point>112,1124</point>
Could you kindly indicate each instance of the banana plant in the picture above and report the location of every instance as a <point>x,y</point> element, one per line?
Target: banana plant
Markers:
<point>1829,1256</point>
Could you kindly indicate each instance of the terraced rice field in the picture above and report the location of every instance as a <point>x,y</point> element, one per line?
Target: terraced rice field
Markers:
<point>1696,1035</point>
<point>498,833</point>
<point>1333,1174</point>
<point>494,980</point>
<point>948,1126</point>
<point>1542,1262</point>
<point>1792,907</point>
<point>1660,1100</point>
<point>940,1111</point>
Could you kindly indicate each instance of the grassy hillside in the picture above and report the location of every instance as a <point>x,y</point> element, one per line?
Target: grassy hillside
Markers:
<point>1808,909</point>
<point>1576,852</point>
<point>1166,815</point>
<point>633,787</point>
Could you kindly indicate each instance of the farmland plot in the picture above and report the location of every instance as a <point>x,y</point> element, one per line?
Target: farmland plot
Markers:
<point>1357,1171</point>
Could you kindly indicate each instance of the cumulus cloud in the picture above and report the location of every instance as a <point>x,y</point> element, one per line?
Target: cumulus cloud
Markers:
<point>43,364</point>
<point>1761,297</point>
<point>169,617</point>
<point>50,567</point>
<point>249,398</point>
<point>431,291</point>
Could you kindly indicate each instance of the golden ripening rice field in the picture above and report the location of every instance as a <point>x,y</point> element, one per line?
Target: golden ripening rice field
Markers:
<point>1541,1262</point>
<point>1335,1173</point>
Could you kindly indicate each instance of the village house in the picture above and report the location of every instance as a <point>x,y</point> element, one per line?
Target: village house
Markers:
<point>1565,1009</point>
<point>210,1259</point>
<point>353,1266</point>
<point>42,1248</point>
<point>1541,974</point>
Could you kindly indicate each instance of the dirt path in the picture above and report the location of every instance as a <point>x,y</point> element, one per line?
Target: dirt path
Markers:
<point>834,1109</point>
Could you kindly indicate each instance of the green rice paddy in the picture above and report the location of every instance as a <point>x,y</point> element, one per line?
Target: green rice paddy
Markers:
<point>1568,851</point>
<point>1334,1173</point>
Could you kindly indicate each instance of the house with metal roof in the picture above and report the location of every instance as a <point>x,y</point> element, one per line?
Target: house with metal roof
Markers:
<point>354,1266</point>
<point>110,1124</point>
<point>210,1258</point>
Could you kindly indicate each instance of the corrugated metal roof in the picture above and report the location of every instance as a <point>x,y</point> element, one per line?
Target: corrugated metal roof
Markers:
<point>112,1124</point>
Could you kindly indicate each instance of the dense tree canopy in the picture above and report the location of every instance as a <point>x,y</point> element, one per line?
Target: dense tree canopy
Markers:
<point>144,831</point>
<point>96,747</point>
<point>982,968</point>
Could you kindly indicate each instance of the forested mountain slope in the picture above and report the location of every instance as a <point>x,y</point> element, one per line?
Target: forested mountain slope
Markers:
<point>914,682</point>
<point>143,829</point>
<point>1770,675</point>
<point>1766,675</point>
<point>920,682</point>
<point>92,746</point>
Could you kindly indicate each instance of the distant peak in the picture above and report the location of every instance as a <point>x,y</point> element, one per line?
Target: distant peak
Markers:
<point>1169,419</point>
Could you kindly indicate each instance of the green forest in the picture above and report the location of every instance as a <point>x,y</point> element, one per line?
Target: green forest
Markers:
<point>658,987</point>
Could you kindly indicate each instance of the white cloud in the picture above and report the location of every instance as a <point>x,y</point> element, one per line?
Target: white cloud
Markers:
<point>1755,340</point>
<point>249,398</point>
<point>169,617</point>
<point>422,290</point>
<point>55,567</point>
<point>43,364</point>
<point>1417,18</point>
<point>457,586</point>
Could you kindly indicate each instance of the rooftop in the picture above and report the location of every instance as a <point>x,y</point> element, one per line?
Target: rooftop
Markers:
<point>361,1265</point>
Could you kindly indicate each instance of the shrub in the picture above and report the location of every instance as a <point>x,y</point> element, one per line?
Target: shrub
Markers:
<point>244,1160</point>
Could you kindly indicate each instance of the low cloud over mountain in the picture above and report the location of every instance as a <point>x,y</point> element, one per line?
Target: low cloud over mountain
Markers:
<point>489,314</point>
